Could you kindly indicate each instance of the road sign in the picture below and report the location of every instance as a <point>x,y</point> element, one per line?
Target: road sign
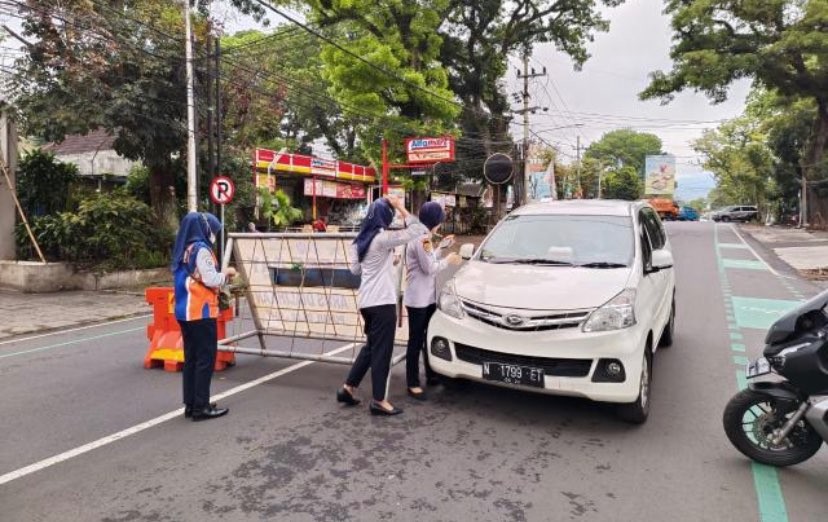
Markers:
<point>222,190</point>
<point>498,168</point>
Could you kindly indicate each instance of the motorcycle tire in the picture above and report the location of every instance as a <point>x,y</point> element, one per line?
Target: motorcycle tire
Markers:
<point>807,441</point>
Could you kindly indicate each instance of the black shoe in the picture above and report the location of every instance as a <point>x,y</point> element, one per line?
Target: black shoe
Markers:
<point>376,409</point>
<point>343,395</point>
<point>210,412</point>
<point>188,410</point>
<point>422,396</point>
<point>433,381</point>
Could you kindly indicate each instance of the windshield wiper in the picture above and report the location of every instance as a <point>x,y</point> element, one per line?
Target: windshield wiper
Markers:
<point>528,261</point>
<point>603,264</point>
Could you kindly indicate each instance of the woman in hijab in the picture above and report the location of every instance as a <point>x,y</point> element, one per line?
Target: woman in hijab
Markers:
<point>197,281</point>
<point>423,263</point>
<point>372,257</point>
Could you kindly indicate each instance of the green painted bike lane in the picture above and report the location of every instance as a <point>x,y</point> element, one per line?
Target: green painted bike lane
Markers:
<point>754,297</point>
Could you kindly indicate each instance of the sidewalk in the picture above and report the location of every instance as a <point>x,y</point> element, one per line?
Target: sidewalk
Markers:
<point>804,250</point>
<point>29,313</point>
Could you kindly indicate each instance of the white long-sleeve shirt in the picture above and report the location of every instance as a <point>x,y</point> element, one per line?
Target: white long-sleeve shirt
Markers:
<point>206,269</point>
<point>421,276</point>
<point>378,286</point>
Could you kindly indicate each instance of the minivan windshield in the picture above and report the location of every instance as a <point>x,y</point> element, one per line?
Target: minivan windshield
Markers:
<point>590,241</point>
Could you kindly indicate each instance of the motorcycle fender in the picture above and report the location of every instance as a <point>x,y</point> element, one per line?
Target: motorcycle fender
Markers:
<point>781,391</point>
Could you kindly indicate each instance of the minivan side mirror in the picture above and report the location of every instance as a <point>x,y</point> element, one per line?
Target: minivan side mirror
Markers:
<point>467,251</point>
<point>662,259</point>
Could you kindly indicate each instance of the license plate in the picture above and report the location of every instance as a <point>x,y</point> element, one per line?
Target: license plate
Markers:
<point>760,366</point>
<point>513,374</point>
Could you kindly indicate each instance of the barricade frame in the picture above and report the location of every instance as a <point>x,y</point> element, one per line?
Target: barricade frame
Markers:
<point>261,331</point>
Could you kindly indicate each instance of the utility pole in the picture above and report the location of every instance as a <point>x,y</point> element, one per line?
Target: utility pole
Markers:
<point>578,171</point>
<point>192,198</point>
<point>522,185</point>
<point>803,219</point>
<point>211,167</point>
<point>218,105</point>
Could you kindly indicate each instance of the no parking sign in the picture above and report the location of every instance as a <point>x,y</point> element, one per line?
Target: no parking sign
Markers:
<point>222,190</point>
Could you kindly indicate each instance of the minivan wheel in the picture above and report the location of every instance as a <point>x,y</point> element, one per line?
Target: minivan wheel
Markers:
<point>638,411</point>
<point>666,340</point>
<point>725,219</point>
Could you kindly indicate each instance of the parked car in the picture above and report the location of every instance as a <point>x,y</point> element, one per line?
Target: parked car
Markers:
<point>567,297</point>
<point>688,214</point>
<point>736,213</point>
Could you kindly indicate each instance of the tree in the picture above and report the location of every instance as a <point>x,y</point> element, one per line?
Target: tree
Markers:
<point>781,45</point>
<point>91,65</point>
<point>455,48</point>
<point>624,148</point>
<point>624,183</point>
<point>277,97</point>
<point>740,160</point>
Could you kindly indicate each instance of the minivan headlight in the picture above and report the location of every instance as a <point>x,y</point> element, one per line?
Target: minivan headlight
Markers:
<point>616,314</point>
<point>449,303</point>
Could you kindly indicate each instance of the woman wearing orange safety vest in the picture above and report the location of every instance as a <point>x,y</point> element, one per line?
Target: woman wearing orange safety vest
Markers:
<point>197,281</point>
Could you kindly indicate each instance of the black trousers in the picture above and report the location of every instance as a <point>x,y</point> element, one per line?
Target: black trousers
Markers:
<point>200,346</point>
<point>380,324</point>
<point>418,319</point>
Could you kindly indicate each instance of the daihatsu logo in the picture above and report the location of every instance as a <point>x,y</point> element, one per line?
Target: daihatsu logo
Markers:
<point>514,320</point>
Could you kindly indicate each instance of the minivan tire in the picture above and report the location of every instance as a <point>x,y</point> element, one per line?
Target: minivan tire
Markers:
<point>668,334</point>
<point>638,411</point>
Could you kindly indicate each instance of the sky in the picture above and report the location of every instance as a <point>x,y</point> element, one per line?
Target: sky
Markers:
<point>604,95</point>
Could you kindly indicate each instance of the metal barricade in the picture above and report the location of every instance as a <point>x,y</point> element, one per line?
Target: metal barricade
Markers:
<point>299,286</point>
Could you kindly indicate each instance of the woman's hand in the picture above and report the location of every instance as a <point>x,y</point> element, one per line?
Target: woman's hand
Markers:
<point>397,204</point>
<point>229,272</point>
<point>447,241</point>
<point>454,259</point>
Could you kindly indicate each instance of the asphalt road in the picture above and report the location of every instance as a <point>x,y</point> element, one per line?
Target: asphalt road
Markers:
<point>287,451</point>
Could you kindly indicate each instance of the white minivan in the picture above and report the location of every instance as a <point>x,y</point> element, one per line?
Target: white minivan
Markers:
<point>566,297</point>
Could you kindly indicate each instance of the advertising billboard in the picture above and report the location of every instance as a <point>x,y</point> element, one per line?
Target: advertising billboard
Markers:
<point>542,184</point>
<point>660,175</point>
<point>429,150</point>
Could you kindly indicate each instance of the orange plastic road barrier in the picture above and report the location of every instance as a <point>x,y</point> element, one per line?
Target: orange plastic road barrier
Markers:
<point>166,345</point>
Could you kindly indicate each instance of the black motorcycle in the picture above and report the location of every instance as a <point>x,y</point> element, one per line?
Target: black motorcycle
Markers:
<point>784,421</point>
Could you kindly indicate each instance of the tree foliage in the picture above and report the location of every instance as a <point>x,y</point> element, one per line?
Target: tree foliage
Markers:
<point>624,183</point>
<point>624,148</point>
<point>741,162</point>
<point>117,67</point>
<point>781,44</point>
<point>276,95</point>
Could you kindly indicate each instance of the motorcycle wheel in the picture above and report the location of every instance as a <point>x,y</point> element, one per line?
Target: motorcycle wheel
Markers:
<point>749,421</point>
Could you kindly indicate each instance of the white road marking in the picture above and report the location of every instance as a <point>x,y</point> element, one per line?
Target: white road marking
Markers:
<point>67,343</point>
<point>11,341</point>
<point>770,268</point>
<point>109,439</point>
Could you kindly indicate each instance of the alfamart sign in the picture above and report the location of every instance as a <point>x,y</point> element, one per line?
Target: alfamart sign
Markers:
<point>429,150</point>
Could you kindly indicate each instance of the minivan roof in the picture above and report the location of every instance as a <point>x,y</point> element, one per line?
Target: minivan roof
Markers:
<point>583,207</point>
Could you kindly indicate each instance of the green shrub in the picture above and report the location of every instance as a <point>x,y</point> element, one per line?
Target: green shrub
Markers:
<point>108,231</point>
<point>43,183</point>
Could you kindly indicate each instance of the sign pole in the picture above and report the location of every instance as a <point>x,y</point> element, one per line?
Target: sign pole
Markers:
<point>384,167</point>
<point>221,236</point>
<point>314,199</point>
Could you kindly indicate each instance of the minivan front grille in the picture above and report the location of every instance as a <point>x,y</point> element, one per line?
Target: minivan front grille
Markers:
<point>520,323</point>
<point>553,366</point>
